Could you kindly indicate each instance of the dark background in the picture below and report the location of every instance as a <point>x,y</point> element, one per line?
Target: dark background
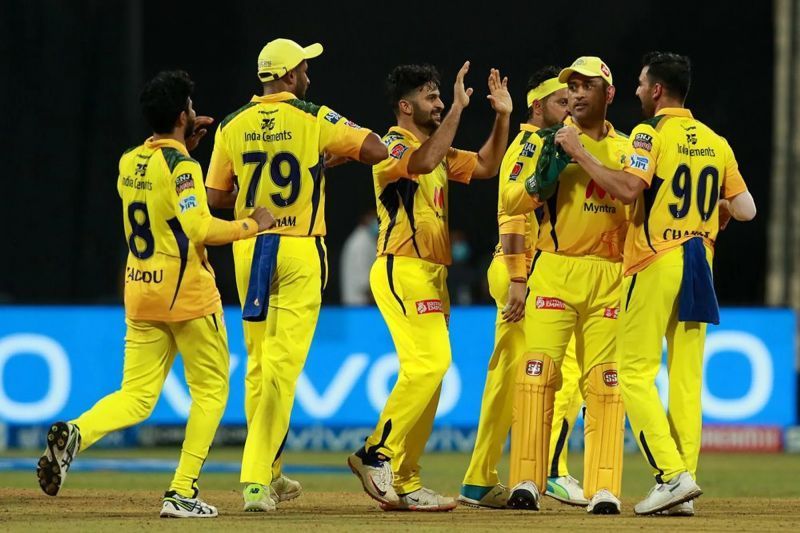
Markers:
<point>72,71</point>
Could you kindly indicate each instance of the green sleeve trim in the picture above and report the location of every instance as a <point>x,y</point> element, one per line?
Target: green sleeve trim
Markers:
<point>173,157</point>
<point>653,122</point>
<point>302,105</point>
<point>236,113</point>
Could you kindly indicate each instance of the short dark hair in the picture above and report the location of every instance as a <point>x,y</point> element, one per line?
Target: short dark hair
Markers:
<point>671,70</point>
<point>164,97</point>
<point>405,78</point>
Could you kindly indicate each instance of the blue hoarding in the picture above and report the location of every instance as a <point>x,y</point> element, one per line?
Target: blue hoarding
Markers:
<point>56,362</point>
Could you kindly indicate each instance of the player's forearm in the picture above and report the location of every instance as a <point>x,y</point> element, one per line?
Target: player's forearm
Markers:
<point>626,187</point>
<point>225,231</point>
<point>433,151</point>
<point>513,243</point>
<point>514,256</point>
<point>218,199</point>
<point>742,207</point>
<point>491,153</point>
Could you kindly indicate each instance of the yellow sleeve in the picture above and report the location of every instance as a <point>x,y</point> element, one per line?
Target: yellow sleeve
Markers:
<point>191,207</point>
<point>460,165</point>
<point>732,182</point>
<point>395,166</point>
<point>514,199</point>
<point>518,156</point>
<point>340,136</point>
<point>220,171</point>
<point>645,147</point>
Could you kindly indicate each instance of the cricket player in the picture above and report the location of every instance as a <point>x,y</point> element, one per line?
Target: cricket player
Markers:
<point>270,153</point>
<point>682,178</point>
<point>574,289</point>
<point>507,276</point>
<point>171,299</point>
<point>408,278</point>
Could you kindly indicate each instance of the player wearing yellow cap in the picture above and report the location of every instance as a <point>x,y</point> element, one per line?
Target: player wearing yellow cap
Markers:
<point>171,300</point>
<point>408,278</point>
<point>574,288</point>
<point>271,153</point>
<point>507,276</point>
<point>680,172</point>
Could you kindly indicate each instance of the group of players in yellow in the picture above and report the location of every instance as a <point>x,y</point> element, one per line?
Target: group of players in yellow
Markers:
<point>606,242</point>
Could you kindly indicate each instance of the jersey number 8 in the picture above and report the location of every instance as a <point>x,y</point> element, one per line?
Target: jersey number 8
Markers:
<point>284,169</point>
<point>139,219</point>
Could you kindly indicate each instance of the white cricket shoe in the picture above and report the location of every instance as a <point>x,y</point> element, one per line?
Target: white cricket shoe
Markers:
<point>524,496</point>
<point>682,509</point>
<point>257,498</point>
<point>484,497</point>
<point>566,489</point>
<point>679,489</point>
<point>603,502</point>
<point>176,506</point>
<point>283,489</point>
<point>63,444</point>
<point>375,473</point>
<point>422,500</point>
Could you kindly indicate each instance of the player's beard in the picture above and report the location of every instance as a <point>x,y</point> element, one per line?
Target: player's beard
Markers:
<point>425,120</point>
<point>648,108</point>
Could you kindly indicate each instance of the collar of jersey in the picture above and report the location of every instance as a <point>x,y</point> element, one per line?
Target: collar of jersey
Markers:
<point>405,133</point>
<point>675,112</point>
<point>276,97</point>
<point>528,127</point>
<point>166,143</point>
<point>611,131</point>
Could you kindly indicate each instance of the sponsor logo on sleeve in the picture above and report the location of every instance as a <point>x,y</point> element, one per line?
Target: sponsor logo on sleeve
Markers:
<point>352,124</point>
<point>611,312</point>
<point>640,162</point>
<point>516,170</point>
<point>398,150</point>
<point>528,149</point>
<point>429,306</point>
<point>547,302</point>
<point>643,141</point>
<point>534,367</point>
<point>190,202</point>
<point>333,117</point>
<point>610,378</point>
<point>183,182</point>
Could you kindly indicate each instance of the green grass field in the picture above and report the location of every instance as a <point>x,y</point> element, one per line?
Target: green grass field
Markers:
<point>742,492</point>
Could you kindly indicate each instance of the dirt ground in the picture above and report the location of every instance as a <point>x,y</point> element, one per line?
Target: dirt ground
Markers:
<point>121,511</point>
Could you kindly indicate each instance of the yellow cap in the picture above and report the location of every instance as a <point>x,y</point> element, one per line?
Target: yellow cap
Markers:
<point>280,56</point>
<point>590,66</point>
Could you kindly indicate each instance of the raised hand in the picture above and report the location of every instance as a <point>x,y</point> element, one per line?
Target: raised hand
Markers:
<point>498,96</point>
<point>461,95</point>
<point>201,124</point>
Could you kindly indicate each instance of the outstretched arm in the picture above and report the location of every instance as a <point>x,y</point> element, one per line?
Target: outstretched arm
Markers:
<point>491,153</point>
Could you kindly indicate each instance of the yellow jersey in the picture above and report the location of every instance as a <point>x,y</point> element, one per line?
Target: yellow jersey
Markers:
<point>580,218</point>
<point>272,148</point>
<point>518,158</point>
<point>412,209</point>
<point>166,219</point>
<point>687,168</point>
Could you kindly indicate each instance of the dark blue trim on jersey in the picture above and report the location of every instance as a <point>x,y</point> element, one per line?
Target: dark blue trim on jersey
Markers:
<point>323,263</point>
<point>552,206</point>
<point>262,270</point>
<point>183,251</point>
<point>390,275</point>
<point>400,192</point>
<point>649,196</point>
<point>318,177</point>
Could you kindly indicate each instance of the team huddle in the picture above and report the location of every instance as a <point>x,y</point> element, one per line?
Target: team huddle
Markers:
<point>605,250</point>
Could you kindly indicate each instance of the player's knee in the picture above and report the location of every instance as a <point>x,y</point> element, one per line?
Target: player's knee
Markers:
<point>142,404</point>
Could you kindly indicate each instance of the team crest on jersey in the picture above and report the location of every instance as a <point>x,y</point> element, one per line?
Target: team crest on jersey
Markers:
<point>352,124</point>
<point>610,378</point>
<point>643,141</point>
<point>333,117</point>
<point>528,149</point>
<point>546,302</point>
<point>429,306</point>
<point>392,137</point>
<point>640,162</point>
<point>183,182</point>
<point>534,367</point>
<point>141,169</point>
<point>516,171</point>
<point>611,312</point>
<point>398,150</point>
<point>190,202</point>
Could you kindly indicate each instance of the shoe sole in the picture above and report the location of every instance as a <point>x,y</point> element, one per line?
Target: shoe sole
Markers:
<point>473,504</point>
<point>364,485</point>
<point>48,470</point>
<point>189,515</point>
<point>574,503</point>
<point>689,496</point>
<point>605,508</point>
<point>257,509</point>
<point>523,501</point>
<point>416,509</point>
